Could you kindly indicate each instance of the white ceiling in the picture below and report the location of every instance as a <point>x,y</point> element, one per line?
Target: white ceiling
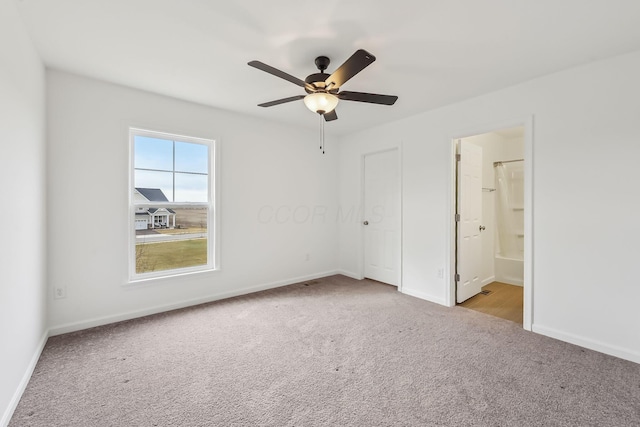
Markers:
<point>429,52</point>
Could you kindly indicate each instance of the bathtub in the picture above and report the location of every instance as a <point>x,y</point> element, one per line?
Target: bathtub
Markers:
<point>509,270</point>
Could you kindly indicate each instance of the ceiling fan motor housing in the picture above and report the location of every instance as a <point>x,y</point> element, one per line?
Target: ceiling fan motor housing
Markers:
<point>318,79</point>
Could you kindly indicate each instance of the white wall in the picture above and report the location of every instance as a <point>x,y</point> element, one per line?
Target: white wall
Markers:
<point>22,211</point>
<point>585,185</point>
<point>277,201</point>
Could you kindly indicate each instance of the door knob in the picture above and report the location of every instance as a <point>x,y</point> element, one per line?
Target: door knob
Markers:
<point>366,222</point>
<point>482,228</point>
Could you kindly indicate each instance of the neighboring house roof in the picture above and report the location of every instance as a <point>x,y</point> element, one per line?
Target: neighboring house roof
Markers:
<point>153,210</point>
<point>153,194</point>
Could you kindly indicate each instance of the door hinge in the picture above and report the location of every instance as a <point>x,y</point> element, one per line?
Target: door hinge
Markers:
<point>457,217</point>
<point>457,277</point>
<point>458,157</point>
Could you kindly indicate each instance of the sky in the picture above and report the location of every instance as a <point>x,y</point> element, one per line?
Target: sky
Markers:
<point>191,168</point>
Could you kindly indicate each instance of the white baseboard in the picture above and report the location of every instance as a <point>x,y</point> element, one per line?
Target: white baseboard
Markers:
<point>105,320</point>
<point>510,281</point>
<point>488,280</point>
<point>13,404</point>
<point>612,350</point>
<point>424,296</point>
<point>350,274</point>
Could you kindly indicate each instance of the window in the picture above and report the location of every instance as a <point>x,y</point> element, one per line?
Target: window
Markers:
<point>171,204</point>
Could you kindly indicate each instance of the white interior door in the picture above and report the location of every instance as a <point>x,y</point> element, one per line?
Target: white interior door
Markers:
<point>382,220</point>
<point>469,245</point>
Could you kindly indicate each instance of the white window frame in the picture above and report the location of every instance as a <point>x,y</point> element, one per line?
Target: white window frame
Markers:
<point>211,205</point>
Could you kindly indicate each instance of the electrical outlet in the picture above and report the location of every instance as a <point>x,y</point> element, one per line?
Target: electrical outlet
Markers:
<point>307,257</point>
<point>440,273</point>
<point>59,292</point>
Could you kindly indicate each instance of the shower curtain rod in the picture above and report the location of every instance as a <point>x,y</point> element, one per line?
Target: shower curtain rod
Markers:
<point>507,161</point>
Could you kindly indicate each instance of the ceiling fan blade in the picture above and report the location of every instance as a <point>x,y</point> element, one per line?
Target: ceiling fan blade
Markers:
<point>372,98</point>
<point>281,101</point>
<point>352,66</point>
<point>331,115</point>
<point>288,77</point>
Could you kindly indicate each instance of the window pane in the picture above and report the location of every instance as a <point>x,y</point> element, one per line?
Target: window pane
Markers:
<point>168,239</point>
<point>191,188</point>
<point>153,153</point>
<point>192,157</point>
<point>151,180</point>
<point>174,236</point>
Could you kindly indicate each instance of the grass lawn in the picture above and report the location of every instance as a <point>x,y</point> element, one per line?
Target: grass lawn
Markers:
<point>170,255</point>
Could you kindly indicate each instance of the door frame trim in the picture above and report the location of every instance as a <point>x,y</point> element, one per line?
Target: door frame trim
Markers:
<point>450,291</point>
<point>361,260</point>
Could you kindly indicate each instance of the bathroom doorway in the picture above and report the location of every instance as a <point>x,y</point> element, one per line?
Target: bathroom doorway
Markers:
<point>490,222</point>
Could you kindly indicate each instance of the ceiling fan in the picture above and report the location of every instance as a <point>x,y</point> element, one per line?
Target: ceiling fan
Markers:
<point>323,90</point>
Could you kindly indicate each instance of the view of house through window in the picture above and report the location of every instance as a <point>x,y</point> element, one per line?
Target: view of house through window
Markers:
<point>171,203</point>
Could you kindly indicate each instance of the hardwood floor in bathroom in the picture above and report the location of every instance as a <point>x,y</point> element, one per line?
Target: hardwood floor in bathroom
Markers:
<point>504,301</point>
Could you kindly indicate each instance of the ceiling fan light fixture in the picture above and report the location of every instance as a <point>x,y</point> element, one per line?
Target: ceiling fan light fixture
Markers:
<point>321,102</point>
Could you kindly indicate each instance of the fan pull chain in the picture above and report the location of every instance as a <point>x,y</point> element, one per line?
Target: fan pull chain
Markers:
<point>322,125</point>
<point>321,136</point>
<point>321,133</point>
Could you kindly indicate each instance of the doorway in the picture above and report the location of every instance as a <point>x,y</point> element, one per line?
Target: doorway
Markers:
<point>492,214</point>
<point>382,217</point>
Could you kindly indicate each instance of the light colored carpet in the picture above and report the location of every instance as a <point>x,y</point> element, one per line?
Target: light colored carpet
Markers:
<point>337,352</point>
